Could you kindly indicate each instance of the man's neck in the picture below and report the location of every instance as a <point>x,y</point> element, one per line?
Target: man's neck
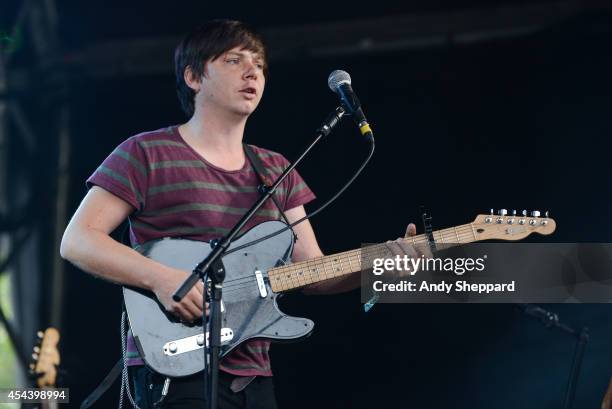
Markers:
<point>217,138</point>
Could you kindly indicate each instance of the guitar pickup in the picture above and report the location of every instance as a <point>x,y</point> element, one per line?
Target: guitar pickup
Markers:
<point>263,292</point>
<point>180,346</point>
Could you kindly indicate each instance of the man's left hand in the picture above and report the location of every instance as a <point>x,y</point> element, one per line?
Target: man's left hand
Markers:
<point>403,247</point>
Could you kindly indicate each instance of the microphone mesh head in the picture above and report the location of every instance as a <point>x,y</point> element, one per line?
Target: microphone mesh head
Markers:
<point>337,78</point>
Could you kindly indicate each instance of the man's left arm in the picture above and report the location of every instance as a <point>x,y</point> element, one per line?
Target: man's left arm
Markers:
<point>306,248</point>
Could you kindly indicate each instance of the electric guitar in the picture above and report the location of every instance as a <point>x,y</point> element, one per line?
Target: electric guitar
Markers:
<point>45,361</point>
<point>256,275</point>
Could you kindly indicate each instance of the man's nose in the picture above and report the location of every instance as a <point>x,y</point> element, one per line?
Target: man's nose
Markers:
<point>251,70</point>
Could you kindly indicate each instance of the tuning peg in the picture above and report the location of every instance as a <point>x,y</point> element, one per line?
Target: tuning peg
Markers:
<point>35,356</point>
<point>546,214</point>
<point>535,213</point>
<point>513,212</point>
<point>503,212</point>
<point>40,334</point>
<point>32,367</point>
<point>37,349</point>
<point>492,212</point>
<point>524,213</point>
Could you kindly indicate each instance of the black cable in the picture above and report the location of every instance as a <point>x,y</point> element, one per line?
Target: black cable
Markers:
<point>314,213</point>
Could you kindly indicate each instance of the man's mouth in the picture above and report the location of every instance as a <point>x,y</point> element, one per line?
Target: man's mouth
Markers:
<point>249,91</point>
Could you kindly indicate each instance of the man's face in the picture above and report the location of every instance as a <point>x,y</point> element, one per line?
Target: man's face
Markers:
<point>234,81</point>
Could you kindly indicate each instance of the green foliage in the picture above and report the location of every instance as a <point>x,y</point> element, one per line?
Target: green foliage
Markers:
<point>8,377</point>
<point>7,354</point>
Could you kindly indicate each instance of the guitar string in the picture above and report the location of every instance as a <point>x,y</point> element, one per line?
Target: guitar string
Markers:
<point>347,257</point>
<point>461,233</point>
<point>421,239</point>
<point>464,234</point>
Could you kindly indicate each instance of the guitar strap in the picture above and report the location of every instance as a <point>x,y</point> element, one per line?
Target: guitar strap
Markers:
<point>266,180</point>
<point>104,385</point>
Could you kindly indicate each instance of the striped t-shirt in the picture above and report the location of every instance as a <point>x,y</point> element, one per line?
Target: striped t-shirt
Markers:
<point>177,193</point>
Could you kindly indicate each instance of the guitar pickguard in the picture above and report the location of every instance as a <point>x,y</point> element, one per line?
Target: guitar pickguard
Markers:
<point>247,313</point>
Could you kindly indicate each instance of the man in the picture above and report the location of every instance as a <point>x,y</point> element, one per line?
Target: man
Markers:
<point>193,181</point>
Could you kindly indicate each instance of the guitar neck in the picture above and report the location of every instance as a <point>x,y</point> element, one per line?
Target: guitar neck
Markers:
<point>303,273</point>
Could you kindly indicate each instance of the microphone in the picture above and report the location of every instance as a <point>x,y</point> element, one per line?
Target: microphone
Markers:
<point>340,82</point>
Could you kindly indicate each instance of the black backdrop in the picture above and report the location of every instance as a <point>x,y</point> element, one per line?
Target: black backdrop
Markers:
<point>520,123</point>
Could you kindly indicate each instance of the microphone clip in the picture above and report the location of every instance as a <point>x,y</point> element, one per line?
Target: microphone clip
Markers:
<point>331,121</point>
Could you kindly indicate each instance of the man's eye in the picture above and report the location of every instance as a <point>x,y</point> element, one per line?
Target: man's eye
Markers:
<point>233,61</point>
<point>260,66</point>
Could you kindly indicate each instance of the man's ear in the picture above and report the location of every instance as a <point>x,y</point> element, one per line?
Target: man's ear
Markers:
<point>190,79</point>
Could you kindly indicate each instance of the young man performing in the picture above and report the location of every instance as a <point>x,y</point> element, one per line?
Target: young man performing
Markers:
<point>193,181</point>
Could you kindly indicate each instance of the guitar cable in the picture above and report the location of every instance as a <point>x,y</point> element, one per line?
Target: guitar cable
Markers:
<point>125,383</point>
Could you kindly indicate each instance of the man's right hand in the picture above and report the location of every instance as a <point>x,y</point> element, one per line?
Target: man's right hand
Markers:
<point>189,309</point>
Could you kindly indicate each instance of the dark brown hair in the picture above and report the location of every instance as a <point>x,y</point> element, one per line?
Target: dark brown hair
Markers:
<point>206,43</point>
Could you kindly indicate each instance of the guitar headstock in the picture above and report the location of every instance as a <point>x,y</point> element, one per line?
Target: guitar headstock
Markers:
<point>504,226</point>
<point>46,358</point>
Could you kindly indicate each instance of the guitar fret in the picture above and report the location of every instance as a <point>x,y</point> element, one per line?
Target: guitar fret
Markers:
<point>294,280</point>
<point>285,284</point>
<point>357,261</point>
<point>316,269</point>
<point>295,277</point>
<point>311,269</point>
<point>280,280</point>
<point>457,234</point>
<point>300,278</point>
<point>305,276</point>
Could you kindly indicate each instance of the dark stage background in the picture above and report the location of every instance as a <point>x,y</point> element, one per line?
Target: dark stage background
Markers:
<point>520,121</point>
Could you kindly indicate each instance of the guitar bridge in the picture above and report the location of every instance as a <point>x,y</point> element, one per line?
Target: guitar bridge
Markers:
<point>180,346</point>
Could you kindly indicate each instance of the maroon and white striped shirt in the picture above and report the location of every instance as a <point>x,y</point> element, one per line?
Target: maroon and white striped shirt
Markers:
<point>177,193</point>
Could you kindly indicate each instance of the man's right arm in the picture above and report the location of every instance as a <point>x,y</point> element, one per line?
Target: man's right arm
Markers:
<point>87,244</point>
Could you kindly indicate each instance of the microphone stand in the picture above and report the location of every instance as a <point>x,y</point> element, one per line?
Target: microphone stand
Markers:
<point>212,268</point>
<point>550,319</point>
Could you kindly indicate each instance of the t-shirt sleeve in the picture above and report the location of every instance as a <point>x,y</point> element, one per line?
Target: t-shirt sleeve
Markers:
<point>298,192</point>
<point>124,173</point>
